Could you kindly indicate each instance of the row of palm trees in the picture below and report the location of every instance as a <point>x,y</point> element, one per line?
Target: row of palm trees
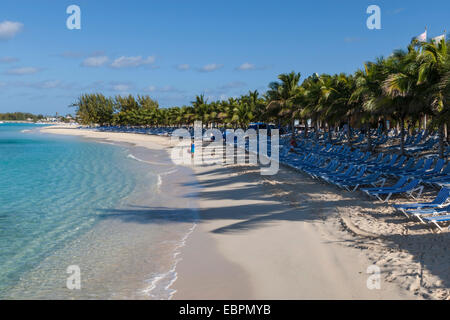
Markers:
<point>143,111</point>
<point>406,86</point>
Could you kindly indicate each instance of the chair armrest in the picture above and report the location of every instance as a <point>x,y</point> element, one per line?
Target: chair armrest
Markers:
<point>419,191</point>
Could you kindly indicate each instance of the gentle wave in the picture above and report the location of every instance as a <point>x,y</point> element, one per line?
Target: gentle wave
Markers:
<point>98,191</point>
<point>131,156</point>
<point>162,283</point>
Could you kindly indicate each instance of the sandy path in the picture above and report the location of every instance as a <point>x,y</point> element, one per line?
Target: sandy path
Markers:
<point>281,244</point>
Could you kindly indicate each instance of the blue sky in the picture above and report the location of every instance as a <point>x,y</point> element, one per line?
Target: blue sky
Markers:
<point>174,50</point>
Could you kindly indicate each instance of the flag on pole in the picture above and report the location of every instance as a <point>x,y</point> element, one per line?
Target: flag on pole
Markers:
<point>422,37</point>
<point>439,39</point>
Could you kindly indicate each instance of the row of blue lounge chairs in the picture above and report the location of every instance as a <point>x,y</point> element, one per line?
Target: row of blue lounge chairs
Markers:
<point>350,170</point>
<point>161,131</point>
<point>423,141</point>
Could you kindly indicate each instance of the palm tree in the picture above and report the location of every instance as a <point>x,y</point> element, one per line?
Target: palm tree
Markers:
<point>434,60</point>
<point>321,101</point>
<point>368,93</point>
<point>243,113</point>
<point>281,96</point>
<point>309,98</point>
<point>403,88</point>
<point>334,100</point>
<point>202,110</point>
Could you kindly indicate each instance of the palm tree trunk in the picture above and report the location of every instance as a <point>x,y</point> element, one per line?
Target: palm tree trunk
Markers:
<point>369,138</point>
<point>349,133</point>
<point>402,136</point>
<point>306,128</point>
<point>441,141</point>
<point>292,127</point>
<point>330,137</point>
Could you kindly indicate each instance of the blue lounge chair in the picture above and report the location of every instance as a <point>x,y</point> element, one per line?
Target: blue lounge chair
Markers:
<point>436,170</point>
<point>387,165</point>
<point>441,199</point>
<point>357,175</point>
<point>383,162</point>
<point>419,164</point>
<point>408,165</point>
<point>409,189</point>
<point>436,219</point>
<point>420,213</point>
<point>400,183</point>
<point>419,172</point>
<point>345,174</point>
<point>443,176</point>
<point>373,179</point>
<point>376,160</point>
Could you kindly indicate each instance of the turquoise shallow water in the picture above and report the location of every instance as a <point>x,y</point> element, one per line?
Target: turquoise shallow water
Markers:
<point>65,201</point>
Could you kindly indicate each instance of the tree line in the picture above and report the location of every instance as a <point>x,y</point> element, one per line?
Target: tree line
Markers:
<point>20,116</point>
<point>407,87</point>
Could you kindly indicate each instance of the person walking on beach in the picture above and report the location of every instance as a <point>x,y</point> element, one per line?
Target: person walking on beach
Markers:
<point>293,144</point>
<point>192,149</point>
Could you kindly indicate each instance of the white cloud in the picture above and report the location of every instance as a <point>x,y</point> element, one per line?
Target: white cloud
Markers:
<point>43,85</point>
<point>233,85</point>
<point>95,62</point>
<point>47,84</point>
<point>211,67</point>
<point>183,67</point>
<point>165,89</point>
<point>127,62</point>
<point>22,71</point>
<point>121,87</point>
<point>8,59</point>
<point>51,84</point>
<point>9,29</point>
<point>246,66</point>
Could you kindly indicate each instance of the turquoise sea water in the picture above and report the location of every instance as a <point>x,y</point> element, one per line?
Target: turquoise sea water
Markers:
<point>68,201</point>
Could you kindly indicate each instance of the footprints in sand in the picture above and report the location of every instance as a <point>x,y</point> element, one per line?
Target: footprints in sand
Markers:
<point>408,255</point>
<point>280,190</point>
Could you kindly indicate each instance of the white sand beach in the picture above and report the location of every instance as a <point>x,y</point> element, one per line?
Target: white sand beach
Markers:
<point>289,237</point>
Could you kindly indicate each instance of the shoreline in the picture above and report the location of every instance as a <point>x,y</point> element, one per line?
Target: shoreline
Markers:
<point>163,144</point>
<point>282,237</point>
<point>130,242</point>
